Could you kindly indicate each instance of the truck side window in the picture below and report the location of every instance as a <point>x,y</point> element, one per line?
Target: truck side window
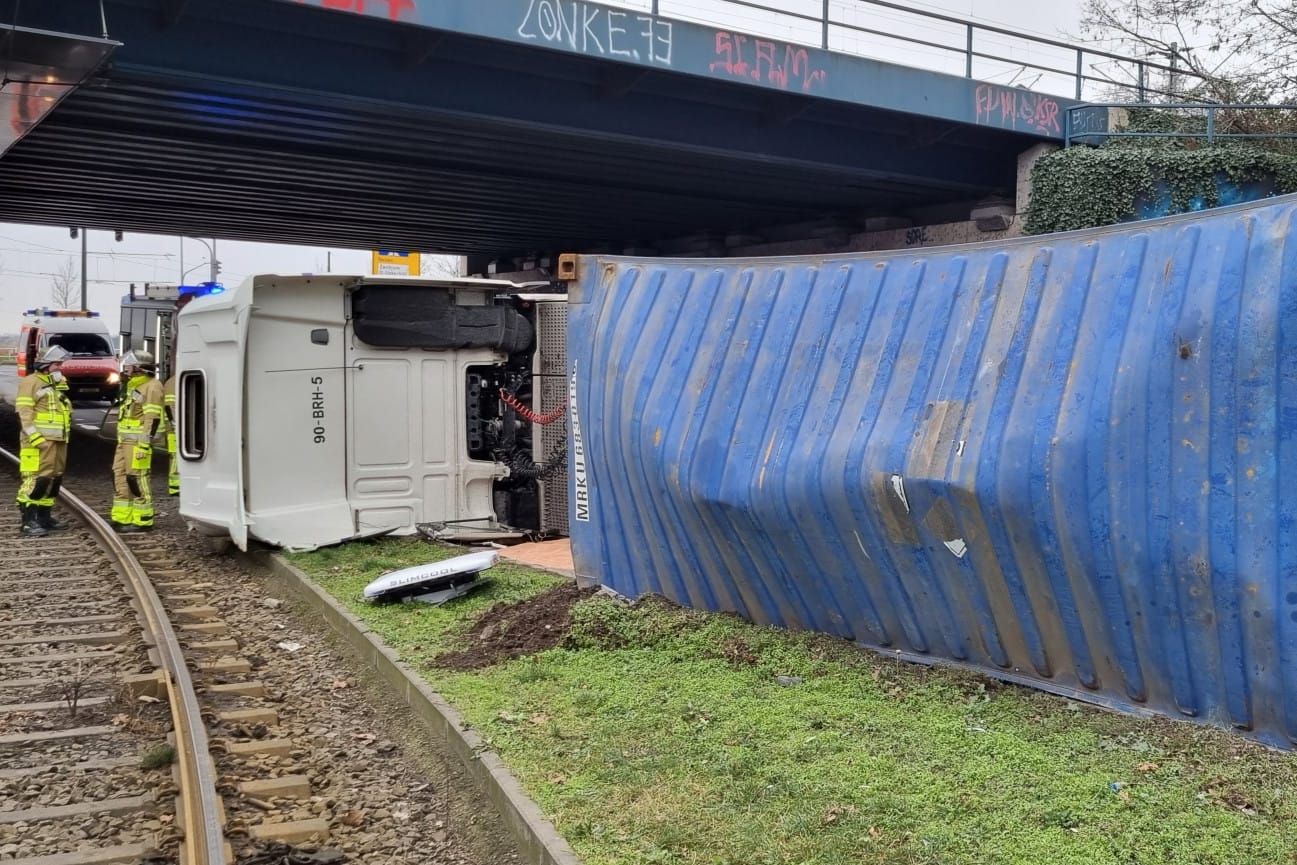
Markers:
<point>191,406</point>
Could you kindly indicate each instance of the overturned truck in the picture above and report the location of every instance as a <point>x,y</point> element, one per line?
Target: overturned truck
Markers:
<point>318,409</point>
<point>1062,460</point>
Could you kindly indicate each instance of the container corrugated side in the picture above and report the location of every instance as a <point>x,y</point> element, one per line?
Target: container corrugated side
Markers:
<point>1064,460</point>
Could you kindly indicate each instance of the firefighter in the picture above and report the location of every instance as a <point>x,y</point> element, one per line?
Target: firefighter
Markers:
<point>169,405</point>
<point>45,420</point>
<point>139,412</point>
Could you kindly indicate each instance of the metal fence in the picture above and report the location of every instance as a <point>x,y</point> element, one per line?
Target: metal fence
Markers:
<point>1210,122</point>
<point>900,33</point>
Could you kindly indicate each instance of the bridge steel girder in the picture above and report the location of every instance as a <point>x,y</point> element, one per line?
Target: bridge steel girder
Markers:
<point>359,131</point>
<point>641,39</point>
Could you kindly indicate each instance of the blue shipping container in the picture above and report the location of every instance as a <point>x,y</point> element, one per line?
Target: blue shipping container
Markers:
<point>1061,460</point>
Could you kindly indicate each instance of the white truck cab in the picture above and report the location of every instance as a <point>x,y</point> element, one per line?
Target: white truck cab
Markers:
<point>318,409</point>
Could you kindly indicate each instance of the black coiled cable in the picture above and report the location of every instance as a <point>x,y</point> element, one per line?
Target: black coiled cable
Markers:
<point>523,467</point>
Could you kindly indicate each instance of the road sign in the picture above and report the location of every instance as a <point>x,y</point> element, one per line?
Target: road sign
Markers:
<point>390,262</point>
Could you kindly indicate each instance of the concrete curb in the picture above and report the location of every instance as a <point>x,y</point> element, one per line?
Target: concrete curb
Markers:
<point>538,841</point>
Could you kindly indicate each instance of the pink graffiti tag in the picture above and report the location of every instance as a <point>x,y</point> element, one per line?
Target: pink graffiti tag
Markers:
<point>1039,112</point>
<point>396,9</point>
<point>795,70</point>
<point>1009,107</point>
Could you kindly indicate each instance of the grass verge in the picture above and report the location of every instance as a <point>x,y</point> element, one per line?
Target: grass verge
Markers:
<point>662,735</point>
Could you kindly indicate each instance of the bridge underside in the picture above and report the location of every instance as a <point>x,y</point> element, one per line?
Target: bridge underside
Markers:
<point>262,121</point>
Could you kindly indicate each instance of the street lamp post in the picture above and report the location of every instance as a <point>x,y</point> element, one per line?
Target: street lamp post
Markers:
<point>84,232</point>
<point>84,305</point>
<point>185,273</point>
<point>213,260</point>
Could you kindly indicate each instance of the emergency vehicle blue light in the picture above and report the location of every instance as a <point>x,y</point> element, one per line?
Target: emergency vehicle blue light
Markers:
<point>203,289</point>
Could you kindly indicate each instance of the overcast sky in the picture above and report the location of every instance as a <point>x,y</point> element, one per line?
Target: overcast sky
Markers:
<point>30,255</point>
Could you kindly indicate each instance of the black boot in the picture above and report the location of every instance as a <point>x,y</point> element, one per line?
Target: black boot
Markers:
<point>47,522</point>
<point>30,527</point>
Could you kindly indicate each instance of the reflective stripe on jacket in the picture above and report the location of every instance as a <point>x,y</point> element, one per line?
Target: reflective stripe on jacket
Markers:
<point>169,401</point>
<point>140,410</point>
<point>43,409</point>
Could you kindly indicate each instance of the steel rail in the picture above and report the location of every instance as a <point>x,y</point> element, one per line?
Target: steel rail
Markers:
<point>204,836</point>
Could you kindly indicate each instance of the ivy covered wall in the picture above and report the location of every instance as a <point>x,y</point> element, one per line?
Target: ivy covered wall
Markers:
<point>1127,179</point>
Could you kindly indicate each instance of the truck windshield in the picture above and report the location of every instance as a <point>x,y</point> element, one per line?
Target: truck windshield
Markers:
<point>82,344</point>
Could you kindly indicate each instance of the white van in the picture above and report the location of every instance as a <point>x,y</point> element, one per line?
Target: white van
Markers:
<point>91,370</point>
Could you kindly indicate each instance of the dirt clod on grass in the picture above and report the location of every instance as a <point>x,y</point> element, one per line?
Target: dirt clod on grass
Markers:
<point>508,631</point>
<point>739,653</point>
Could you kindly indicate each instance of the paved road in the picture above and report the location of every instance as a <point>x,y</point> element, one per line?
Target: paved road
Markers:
<point>87,418</point>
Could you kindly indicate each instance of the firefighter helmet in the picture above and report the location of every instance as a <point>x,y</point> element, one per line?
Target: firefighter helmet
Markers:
<point>51,354</point>
<point>138,359</point>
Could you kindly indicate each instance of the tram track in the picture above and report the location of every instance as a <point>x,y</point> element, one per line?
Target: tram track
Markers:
<point>123,649</point>
<point>308,762</point>
<point>62,649</point>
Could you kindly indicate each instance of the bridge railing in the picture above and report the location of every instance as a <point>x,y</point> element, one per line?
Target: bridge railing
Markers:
<point>894,32</point>
<point>1207,121</point>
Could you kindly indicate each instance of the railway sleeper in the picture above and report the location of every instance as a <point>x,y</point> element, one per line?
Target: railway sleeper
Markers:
<point>99,638</point>
<point>54,705</point>
<point>110,807</point>
<point>127,853</point>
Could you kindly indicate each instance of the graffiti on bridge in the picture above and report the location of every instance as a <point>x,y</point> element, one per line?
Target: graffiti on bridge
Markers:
<point>395,10</point>
<point>596,30</point>
<point>1013,108</point>
<point>779,63</point>
<point>1088,122</point>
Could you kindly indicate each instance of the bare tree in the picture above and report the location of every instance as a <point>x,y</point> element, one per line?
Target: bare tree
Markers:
<point>441,266</point>
<point>65,286</point>
<point>1229,50</point>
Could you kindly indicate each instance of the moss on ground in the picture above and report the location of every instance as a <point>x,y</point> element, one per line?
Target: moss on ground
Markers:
<point>663,735</point>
